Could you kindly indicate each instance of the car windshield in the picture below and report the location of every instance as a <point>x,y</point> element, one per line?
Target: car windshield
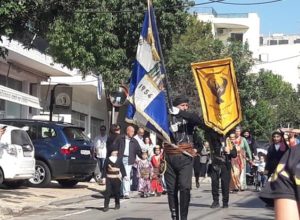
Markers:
<point>76,134</point>
<point>20,137</point>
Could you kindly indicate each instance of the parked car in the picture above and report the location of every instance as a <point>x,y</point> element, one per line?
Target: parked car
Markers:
<point>62,152</point>
<point>17,162</point>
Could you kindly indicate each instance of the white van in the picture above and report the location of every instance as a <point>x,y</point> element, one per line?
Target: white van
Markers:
<point>17,161</point>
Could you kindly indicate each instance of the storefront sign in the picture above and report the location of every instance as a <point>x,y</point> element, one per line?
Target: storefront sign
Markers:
<point>21,98</point>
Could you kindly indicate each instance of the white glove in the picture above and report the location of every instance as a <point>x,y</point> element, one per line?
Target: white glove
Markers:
<point>174,110</point>
<point>174,127</point>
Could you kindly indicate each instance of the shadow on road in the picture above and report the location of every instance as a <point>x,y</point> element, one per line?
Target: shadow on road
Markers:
<point>251,203</point>
<point>129,218</point>
<point>264,217</point>
<point>199,205</point>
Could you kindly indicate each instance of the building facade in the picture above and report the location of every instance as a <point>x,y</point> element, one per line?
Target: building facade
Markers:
<point>27,77</point>
<point>281,54</point>
<point>244,27</point>
<point>278,52</point>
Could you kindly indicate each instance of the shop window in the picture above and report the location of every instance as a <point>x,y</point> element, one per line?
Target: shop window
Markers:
<point>95,126</point>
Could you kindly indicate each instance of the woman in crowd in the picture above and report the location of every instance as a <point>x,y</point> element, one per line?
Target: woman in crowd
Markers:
<point>241,142</point>
<point>237,165</point>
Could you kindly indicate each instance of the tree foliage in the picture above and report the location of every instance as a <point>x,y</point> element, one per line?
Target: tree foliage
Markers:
<point>105,40</point>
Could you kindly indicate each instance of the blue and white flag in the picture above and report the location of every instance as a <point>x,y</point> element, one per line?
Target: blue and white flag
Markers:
<point>148,106</point>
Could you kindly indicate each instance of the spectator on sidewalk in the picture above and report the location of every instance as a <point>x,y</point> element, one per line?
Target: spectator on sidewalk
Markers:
<point>114,133</point>
<point>128,149</point>
<point>145,169</point>
<point>204,159</point>
<point>156,181</point>
<point>275,151</point>
<point>100,147</point>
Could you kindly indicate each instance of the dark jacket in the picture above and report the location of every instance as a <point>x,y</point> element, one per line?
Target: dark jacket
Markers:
<point>186,122</point>
<point>118,164</point>
<point>273,158</point>
<point>217,155</point>
<point>134,148</point>
<point>109,143</point>
<point>252,144</point>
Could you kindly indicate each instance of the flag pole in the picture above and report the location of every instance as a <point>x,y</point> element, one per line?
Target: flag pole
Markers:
<point>166,80</point>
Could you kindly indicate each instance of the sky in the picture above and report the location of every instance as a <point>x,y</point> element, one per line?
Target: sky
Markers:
<point>277,17</point>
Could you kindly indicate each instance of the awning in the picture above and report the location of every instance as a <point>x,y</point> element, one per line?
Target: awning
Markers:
<point>19,97</point>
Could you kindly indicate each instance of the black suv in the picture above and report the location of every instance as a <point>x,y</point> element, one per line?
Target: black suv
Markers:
<point>62,152</point>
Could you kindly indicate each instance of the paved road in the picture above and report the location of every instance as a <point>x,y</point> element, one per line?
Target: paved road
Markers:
<point>243,205</point>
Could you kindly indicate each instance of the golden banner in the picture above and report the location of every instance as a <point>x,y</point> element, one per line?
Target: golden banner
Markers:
<point>218,93</point>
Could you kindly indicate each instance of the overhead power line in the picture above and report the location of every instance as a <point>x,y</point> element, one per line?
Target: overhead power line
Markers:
<point>246,3</point>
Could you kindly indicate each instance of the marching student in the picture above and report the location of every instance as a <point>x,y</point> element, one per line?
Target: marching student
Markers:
<point>113,172</point>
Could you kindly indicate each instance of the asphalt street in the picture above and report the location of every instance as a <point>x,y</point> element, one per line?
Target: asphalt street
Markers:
<point>243,205</point>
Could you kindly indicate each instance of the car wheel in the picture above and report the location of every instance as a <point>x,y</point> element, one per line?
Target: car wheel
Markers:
<point>67,183</point>
<point>1,176</point>
<point>42,175</point>
<point>14,184</point>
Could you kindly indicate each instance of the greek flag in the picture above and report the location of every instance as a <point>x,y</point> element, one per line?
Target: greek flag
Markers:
<point>148,106</point>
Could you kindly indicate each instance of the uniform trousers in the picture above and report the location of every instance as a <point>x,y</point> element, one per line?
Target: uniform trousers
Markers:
<point>222,172</point>
<point>178,177</point>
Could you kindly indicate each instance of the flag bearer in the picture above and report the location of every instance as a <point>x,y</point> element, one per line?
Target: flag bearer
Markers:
<point>178,175</point>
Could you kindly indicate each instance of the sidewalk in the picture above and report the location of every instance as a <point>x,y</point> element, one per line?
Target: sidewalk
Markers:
<point>15,201</point>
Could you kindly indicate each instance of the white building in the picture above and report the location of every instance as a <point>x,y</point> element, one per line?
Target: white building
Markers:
<point>239,26</point>
<point>278,53</point>
<point>23,96</point>
<point>281,54</point>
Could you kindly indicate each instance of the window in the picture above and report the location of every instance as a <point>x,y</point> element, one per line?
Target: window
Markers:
<point>297,41</point>
<point>33,92</point>
<point>76,134</point>
<point>47,132</point>
<point>236,37</point>
<point>95,126</point>
<point>261,41</point>
<point>79,119</point>
<point>272,42</point>
<point>283,42</point>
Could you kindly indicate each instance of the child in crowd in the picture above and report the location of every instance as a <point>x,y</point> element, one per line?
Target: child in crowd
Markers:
<point>156,182</point>
<point>113,170</point>
<point>261,177</point>
<point>144,169</point>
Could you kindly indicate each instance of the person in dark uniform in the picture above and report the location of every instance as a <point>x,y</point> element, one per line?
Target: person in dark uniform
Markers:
<point>178,175</point>
<point>222,150</point>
